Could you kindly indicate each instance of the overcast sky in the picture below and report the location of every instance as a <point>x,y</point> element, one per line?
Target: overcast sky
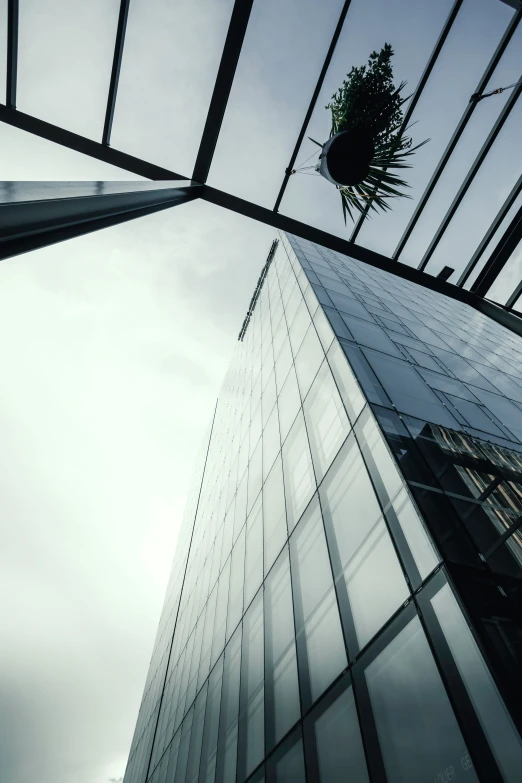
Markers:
<point>114,345</point>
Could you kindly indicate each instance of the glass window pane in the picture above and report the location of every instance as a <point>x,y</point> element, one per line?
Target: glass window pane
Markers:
<point>291,769</point>
<point>339,744</point>
<point>269,396</point>
<point>240,507</point>
<point>210,733</point>
<point>196,736</point>
<point>253,684</point>
<point>230,707</point>
<point>289,403</point>
<point>254,552</point>
<point>324,330</point>
<point>316,602</point>
<point>373,336</point>
<point>360,544</point>
<point>283,364</point>
<point>418,732</point>
<point>496,722</point>
<point>308,360</point>
<point>184,742</point>
<point>326,420</point>
<point>280,649</point>
<point>299,327</point>
<point>348,387</point>
<point>388,483</point>
<point>235,596</point>
<point>407,390</point>
<point>271,442</point>
<point>255,479</point>
<point>274,514</point>
<point>299,472</point>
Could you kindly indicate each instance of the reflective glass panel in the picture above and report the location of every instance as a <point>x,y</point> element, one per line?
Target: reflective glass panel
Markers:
<point>496,722</point>
<point>316,602</point>
<point>326,420</point>
<point>299,472</point>
<point>418,733</point>
<point>339,744</point>
<point>360,544</point>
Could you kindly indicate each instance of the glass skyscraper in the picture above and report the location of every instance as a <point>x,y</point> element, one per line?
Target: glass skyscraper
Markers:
<point>345,603</point>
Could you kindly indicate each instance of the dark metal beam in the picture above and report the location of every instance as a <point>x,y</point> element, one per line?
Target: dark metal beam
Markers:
<point>418,91</point>
<point>12,52</point>
<point>470,176</point>
<point>225,76</point>
<point>486,239</point>
<point>34,215</point>
<point>470,108</point>
<point>86,146</point>
<point>313,101</point>
<point>500,256</point>
<point>115,73</point>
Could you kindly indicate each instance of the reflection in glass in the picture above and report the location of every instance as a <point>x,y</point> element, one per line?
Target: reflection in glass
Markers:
<point>274,514</point>
<point>227,751</point>
<point>360,544</point>
<point>491,711</point>
<point>299,472</point>
<point>418,733</point>
<point>289,403</point>
<point>253,676</point>
<point>326,420</point>
<point>346,383</point>
<point>315,601</point>
<point>388,483</point>
<point>254,552</point>
<point>308,360</point>
<point>339,745</point>
<point>280,651</point>
<point>291,769</point>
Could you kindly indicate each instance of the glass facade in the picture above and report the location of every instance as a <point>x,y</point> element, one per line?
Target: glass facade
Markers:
<point>345,602</point>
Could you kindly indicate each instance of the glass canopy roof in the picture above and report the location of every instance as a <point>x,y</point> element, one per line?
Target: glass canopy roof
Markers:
<point>227,93</point>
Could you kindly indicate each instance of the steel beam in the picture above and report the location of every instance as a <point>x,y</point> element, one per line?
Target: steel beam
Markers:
<point>470,176</point>
<point>313,101</point>
<point>225,76</point>
<point>418,91</point>
<point>116,67</point>
<point>94,149</point>
<point>486,239</point>
<point>457,133</point>
<point>12,52</point>
<point>34,214</point>
<point>500,256</point>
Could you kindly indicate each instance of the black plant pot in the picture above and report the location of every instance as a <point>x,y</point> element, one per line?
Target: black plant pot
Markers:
<point>345,159</point>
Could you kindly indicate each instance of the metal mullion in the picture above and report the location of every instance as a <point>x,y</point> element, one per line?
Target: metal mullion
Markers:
<point>12,53</point>
<point>94,149</point>
<point>418,91</point>
<point>500,256</point>
<point>470,176</point>
<point>313,101</point>
<point>495,225</point>
<point>224,79</point>
<point>470,108</point>
<point>115,73</point>
<point>514,296</point>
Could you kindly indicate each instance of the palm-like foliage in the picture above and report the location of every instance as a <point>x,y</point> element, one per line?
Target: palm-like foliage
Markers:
<point>369,101</point>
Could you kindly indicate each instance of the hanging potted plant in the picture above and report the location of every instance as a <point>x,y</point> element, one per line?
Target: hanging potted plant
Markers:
<point>366,138</point>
